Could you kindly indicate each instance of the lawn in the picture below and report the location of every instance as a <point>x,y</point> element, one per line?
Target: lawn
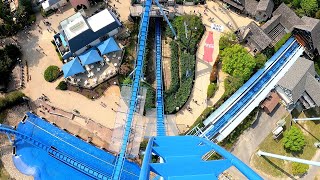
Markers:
<point>279,168</point>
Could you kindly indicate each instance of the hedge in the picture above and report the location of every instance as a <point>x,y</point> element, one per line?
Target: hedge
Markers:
<point>211,90</point>
<point>174,86</point>
<point>11,99</point>
<point>51,73</point>
<point>62,86</point>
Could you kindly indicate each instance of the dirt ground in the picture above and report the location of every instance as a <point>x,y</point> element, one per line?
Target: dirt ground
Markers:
<point>166,64</point>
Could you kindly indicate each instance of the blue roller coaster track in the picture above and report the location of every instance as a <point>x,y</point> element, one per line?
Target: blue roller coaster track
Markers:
<point>161,130</point>
<point>142,38</point>
<point>250,89</point>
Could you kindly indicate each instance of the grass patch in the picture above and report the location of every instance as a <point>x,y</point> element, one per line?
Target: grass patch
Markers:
<point>279,168</point>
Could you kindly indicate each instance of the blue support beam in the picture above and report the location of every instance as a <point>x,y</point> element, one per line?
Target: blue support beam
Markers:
<point>166,18</point>
<point>142,38</point>
<point>182,157</point>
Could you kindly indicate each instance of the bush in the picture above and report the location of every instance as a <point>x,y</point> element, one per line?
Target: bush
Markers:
<point>211,90</point>
<point>261,59</point>
<point>127,81</point>
<point>294,140</point>
<point>51,73</point>
<point>299,168</point>
<point>214,72</point>
<point>283,40</point>
<point>227,40</point>
<point>11,99</point>
<point>231,85</point>
<point>150,97</point>
<point>175,82</point>
<point>62,86</point>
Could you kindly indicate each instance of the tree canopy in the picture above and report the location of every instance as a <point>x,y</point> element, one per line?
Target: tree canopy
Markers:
<point>309,6</point>
<point>237,62</point>
<point>8,58</point>
<point>294,140</point>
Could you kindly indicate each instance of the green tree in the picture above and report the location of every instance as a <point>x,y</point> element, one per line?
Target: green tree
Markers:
<point>294,140</point>
<point>227,40</point>
<point>296,3</point>
<point>237,62</point>
<point>51,73</point>
<point>231,85</point>
<point>309,6</point>
<point>12,51</point>
<point>299,169</point>
<point>260,60</point>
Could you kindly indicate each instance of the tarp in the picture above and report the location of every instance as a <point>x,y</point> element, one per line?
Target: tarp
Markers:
<point>90,56</point>
<point>72,67</point>
<point>107,46</point>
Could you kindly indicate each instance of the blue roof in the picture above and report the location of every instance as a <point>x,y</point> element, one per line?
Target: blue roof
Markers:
<point>107,46</point>
<point>72,67</point>
<point>90,56</point>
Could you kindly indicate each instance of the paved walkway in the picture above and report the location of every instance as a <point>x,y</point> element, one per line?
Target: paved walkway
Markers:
<point>40,53</point>
<point>249,141</point>
<point>314,171</point>
<point>198,98</point>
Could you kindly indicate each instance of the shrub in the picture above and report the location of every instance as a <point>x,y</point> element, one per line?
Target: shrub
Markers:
<point>283,40</point>
<point>299,168</point>
<point>294,140</point>
<point>214,72</point>
<point>227,40</point>
<point>211,90</point>
<point>174,68</point>
<point>51,73</point>
<point>62,86</point>
<point>127,81</point>
<point>11,99</point>
<point>231,85</point>
<point>260,60</point>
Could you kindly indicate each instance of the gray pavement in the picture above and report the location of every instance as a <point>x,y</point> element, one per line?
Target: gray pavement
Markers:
<point>251,139</point>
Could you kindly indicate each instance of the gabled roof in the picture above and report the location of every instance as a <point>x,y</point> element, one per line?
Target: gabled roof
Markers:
<point>271,24</point>
<point>266,6</point>
<point>296,77</point>
<point>258,36</point>
<point>313,26</point>
<point>90,56</point>
<point>107,46</point>
<point>250,6</point>
<point>72,67</point>
<point>313,88</point>
<point>288,17</point>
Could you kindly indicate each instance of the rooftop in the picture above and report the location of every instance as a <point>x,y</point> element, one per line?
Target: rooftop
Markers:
<point>258,36</point>
<point>300,78</point>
